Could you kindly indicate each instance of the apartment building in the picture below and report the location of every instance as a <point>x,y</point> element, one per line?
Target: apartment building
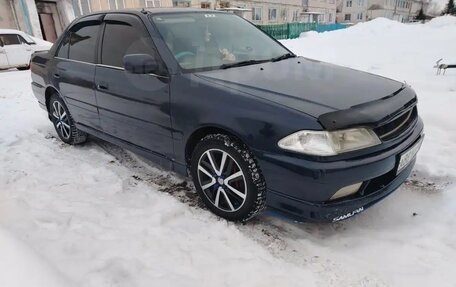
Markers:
<point>398,10</point>
<point>354,11</point>
<point>351,11</point>
<point>48,18</point>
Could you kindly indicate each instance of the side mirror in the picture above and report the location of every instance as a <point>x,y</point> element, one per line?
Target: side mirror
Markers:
<point>141,64</point>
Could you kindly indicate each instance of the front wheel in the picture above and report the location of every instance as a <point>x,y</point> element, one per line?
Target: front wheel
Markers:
<point>64,123</point>
<point>227,178</point>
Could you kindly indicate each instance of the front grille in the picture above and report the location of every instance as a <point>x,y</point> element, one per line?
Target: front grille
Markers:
<point>397,126</point>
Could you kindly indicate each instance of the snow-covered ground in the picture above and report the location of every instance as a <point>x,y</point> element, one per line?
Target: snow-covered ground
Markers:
<point>96,215</point>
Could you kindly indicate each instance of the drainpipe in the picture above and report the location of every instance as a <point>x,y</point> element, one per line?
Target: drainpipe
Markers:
<point>13,10</point>
<point>26,14</point>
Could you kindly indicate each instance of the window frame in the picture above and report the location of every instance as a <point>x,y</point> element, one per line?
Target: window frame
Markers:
<point>349,17</point>
<point>67,33</point>
<point>254,13</point>
<point>11,34</point>
<point>270,14</point>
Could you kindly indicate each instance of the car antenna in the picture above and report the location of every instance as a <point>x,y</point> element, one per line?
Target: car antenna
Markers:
<point>143,11</point>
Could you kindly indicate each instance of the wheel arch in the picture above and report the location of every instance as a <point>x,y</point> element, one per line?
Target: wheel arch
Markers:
<point>200,133</point>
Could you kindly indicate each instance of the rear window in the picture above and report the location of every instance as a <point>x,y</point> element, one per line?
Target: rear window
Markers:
<point>83,40</point>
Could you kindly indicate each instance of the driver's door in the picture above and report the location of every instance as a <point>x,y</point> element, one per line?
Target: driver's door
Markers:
<point>132,107</point>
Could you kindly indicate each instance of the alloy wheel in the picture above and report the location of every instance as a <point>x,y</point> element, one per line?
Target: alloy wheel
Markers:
<point>61,120</point>
<point>222,180</point>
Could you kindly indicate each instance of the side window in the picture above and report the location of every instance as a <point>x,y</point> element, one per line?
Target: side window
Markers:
<point>83,41</point>
<point>64,47</point>
<point>10,39</point>
<point>124,35</point>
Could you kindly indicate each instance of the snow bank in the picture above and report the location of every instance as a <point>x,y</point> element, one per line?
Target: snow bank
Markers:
<point>406,53</point>
<point>100,225</point>
<point>20,266</point>
<point>95,216</point>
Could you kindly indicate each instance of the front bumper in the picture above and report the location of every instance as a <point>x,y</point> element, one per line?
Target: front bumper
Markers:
<point>302,188</point>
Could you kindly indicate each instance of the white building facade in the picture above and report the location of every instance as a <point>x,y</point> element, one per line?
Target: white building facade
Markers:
<point>351,11</point>
<point>319,11</point>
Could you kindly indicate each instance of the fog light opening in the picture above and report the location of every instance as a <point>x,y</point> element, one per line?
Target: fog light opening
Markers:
<point>346,191</point>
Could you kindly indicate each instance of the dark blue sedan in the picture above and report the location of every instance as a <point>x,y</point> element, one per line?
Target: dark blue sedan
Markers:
<point>207,94</point>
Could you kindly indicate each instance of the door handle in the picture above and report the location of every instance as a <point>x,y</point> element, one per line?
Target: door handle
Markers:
<point>102,87</point>
<point>56,75</point>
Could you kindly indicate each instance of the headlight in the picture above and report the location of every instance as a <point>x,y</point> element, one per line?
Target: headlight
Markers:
<point>326,143</point>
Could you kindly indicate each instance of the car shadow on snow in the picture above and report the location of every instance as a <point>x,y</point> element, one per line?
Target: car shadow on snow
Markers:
<point>275,231</point>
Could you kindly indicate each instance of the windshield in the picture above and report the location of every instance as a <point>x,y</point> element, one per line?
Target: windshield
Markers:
<point>28,39</point>
<point>214,40</point>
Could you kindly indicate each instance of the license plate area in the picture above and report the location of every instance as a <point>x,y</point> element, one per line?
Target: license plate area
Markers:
<point>406,157</point>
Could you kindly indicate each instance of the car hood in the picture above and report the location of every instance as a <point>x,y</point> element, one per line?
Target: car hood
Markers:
<point>309,86</point>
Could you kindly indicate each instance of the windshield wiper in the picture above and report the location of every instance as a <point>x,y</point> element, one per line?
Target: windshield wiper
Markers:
<point>242,63</point>
<point>283,57</point>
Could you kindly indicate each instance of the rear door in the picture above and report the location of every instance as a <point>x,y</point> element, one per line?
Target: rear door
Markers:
<point>133,107</point>
<point>14,49</point>
<point>74,70</point>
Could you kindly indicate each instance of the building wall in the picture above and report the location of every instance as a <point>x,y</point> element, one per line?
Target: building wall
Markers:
<point>398,10</point>
<point>83,7</point>
<point>271,12</point>
<point>351,11</point>
<point>321,11</point>
<point>7,20</point>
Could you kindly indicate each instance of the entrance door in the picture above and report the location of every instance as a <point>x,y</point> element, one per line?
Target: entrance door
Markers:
<point>48,26</point>
<point>50,20</point>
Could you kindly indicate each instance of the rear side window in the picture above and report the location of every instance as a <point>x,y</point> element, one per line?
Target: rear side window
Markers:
<point>124,34</point>
<point>64,47</point>
<point>83,41</point>
<point>10,39</point>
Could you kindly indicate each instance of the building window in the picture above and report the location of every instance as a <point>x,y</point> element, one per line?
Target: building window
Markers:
<point>272,14</point>
<point>348,17</point>
<point>206,5</point>
<point>330,19</point>
<point>181,3</point>
<point>349,3</point>
<point>256,14</point>
<point>283,14</point>
<point>153,3</point>
<point>224,4</point>
<point>360,2</point>
<point>295,16</point>
<point>359,16</point>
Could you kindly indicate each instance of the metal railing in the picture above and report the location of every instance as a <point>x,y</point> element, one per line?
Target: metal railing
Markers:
<point>293,30</point>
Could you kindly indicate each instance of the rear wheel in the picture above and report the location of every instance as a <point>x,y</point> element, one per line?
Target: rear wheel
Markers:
<point>64,123</point>
<point>23,68</point>
<point>227,178</point>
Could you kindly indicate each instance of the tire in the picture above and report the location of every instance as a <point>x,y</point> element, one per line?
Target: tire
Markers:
<point>23,68</point>
<point>235,190</point>
<point>63,122</point>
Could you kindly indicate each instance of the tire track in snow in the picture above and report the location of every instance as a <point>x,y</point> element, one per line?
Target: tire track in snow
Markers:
<point>282,237</point>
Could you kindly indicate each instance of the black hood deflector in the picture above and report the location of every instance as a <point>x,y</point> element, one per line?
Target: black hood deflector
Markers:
<point>370,114</point>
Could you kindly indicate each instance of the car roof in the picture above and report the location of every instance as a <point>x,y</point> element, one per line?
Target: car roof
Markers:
<point>10,31</point>
<point>154,11</point>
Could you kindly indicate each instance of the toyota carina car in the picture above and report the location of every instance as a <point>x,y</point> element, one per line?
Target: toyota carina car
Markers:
<point>207,94</point>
